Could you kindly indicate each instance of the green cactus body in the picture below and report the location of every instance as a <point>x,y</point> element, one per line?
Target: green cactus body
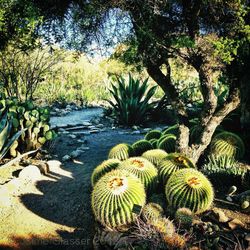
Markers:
<point>171,130</point>
<point>114,197</point>
<point>172,163</point>
<point>42,140</point>
<point>153,134</point>
<point>155,156</point>
<point>184,216</point>
<point>103,168</point>
<point>167,143</point>
<point>152,211</point>
<point>141,146</point>
<point>227,143</point>
<point>191,189</point>
<point>163,226</point>
<point>143,169</point>
<point>121,152</point>
<point>154,143</point>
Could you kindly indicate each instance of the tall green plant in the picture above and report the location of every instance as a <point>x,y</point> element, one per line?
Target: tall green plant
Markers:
<point>131,100</point>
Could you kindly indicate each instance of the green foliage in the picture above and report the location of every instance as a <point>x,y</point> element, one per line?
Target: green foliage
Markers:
<point>184,216</point>
<point>35,121</point>
<point>153,134</point>
<point>114,197</point>
<point>172,163</point>
<point>151,211</point>
<point>155,156</point>
<point>223,169</point>
<point>131,101</point>
<point>6,140</point>
<point>141,146</point>
<point>167,143</point>
<point>103,168</point>
<point>191,189</point>
<point>121,152</point>
<point>143,169</point>
<point>227,143</point>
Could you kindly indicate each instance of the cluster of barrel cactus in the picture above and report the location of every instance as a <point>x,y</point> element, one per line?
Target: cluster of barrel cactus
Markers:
<point>131,175</point>
<point>32,120</point>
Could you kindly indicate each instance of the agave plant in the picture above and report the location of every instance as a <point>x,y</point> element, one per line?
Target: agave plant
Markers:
<point>5,130</point>
<point>131,100</point>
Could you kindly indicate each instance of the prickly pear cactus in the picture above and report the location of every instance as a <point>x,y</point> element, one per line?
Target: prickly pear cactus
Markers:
<point>103,168</point>
<point>155,156</point>
<point>121,152</point>
<point>153,134</point>
<point>141,146</point>
<point>227,143</point>
<point>170,164</point>
<point>191,189</point>
<point>143,169</point>
<point>114,197</point>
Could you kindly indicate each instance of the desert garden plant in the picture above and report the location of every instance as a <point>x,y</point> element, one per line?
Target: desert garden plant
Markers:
<point>155,156</point>
<point>131,100</point>
<point>121,152</point>
<point>191,189</point>
<point>114,197</point>
<point>141,146</point>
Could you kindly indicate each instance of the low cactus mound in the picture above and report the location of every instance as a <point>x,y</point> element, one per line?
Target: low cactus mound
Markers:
<point>152,211</point>
<point>155,156</point>
<point>153,134</point>
<point>141,146</point>
<point>191,189</point>
<point>227,143</point>
<point>154,143</point>
<point>121,152</point>
<point>171,130</point>
<point>143,169</point>
<point>167,143</point>
<point>172,163</point>
<point>114,197</point>
<point>184,216</point>
<point>103,168</point>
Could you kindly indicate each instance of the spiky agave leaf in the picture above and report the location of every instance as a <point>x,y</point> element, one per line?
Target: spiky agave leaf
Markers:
<point>155,156</point>
<point>227,143</point>
<point>105,167</point>
<point>121,152</point>
<point>114,197</point>
<point>152,211</point>
<point>141,146</point>
<point>172,163</point>
<point>143,169</point>
<point>167,143</point>
<point>191,189</point>
<point>153,134</point>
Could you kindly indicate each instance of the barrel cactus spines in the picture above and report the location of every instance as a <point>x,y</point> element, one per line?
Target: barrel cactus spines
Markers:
<point>139,147</point>
<point>152,211</point>
<point>184,216</point>
<point>155,156</point>
<point>171,130</point>
<point>172,163</point>
<point>121,152</point>
<point>143,169</point>
<point>163,226</point>
<point>227,143</point>
<point>175,241</point>
<point>114,197</point>
<point>105,167</point>
<point>153,134</point>
<point>167,143</point>
<point>191,189</point>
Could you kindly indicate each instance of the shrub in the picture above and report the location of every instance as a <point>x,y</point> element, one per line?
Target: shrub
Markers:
<point>114,197</point>
<point>131,101</point>
<point>191,189</point>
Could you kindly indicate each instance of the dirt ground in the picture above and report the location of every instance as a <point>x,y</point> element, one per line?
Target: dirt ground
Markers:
<point>55,211</point>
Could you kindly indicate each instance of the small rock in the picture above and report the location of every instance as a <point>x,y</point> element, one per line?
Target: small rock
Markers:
<point>83,148</point>
<point>54,164</point>
<point>147,129</point>
<point>66,158</point>
<point>136,132</point>
<point>228,198</point>
<point>82,141</point>
<point>232,190</point>
<point>65,132</point>
<point>30,173</point>
<point>72,136</point>
<point>86,123</point>
<point>247,237</point>
<point>76,153</point>
<point>94,131</point>
<point>113,127</point>
<point>135,127</point>
<point>96,120</point>
<point>245,204</point>
<point>235,223</point>
<point>100,125</point>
